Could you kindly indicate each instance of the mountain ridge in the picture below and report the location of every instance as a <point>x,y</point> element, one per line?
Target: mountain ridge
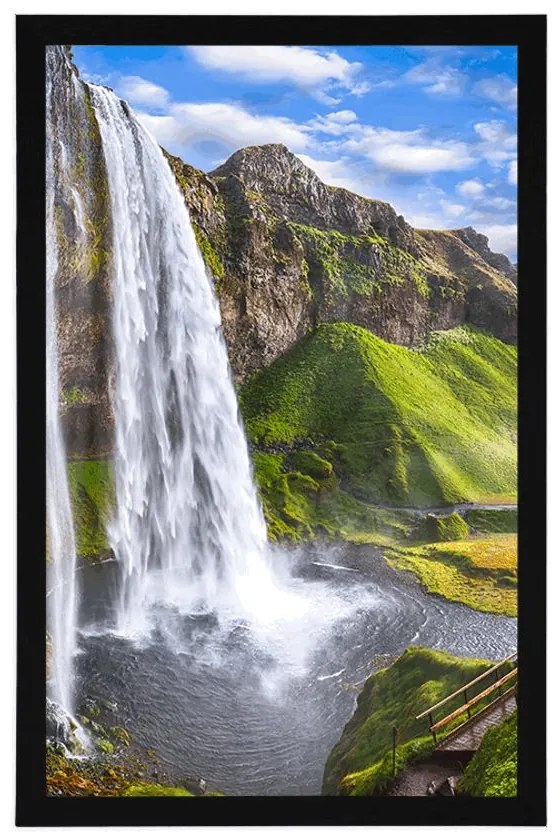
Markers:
<point>292,252</point>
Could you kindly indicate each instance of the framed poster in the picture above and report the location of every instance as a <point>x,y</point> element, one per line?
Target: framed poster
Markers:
<point>276,281</point>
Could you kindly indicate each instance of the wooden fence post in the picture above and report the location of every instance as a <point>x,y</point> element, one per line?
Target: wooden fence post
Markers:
<point>395,731</point>
<point>431,719</point>
<point>496,680</point>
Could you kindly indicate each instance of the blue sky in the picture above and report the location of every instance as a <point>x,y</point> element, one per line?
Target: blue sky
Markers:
<point>432,130</point>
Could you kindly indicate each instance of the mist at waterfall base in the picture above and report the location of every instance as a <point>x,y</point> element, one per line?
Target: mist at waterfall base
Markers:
<point>228,658</point>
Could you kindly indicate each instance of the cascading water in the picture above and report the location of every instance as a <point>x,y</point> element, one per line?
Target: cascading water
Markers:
<point>188,525</point>
<point>255,700</point>
<point>61,549</point>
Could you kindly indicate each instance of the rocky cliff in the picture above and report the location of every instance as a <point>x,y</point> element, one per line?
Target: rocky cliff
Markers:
<point>82,221</point>
<point>289,252</point>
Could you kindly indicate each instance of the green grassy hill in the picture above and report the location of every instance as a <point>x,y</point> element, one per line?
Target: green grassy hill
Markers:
<point>390,425</point>
<point>346,422</point>
<point>360,764</point>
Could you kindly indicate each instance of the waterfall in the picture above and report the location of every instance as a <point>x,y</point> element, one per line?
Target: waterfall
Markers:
<point>188,526</point>
<point>61,549</point>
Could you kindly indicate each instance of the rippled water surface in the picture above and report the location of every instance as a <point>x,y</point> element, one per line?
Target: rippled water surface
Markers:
<point>256,710</point>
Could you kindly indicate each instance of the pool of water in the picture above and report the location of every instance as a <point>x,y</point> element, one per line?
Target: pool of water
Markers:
<point>255,710</point>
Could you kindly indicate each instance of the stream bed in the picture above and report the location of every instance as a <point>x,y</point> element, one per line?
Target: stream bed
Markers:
<point>256,710</point>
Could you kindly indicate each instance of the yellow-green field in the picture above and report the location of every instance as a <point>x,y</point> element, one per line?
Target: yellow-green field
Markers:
<point>480,572</point>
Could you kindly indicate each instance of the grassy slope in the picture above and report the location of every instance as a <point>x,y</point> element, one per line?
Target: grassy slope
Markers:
<point>375,422</point>
<point>492,521</point>
<point>397,426</point>
<point>361,761</point>
<point>493,770</point>
<point>480,572</point>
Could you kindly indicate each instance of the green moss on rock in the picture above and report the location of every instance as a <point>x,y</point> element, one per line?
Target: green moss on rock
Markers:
<point>441,528</point>
<point>358,264</point>
<point>299,505</point>
<point>492,521</point>
<point>312,464</point>
<point>493,770</point>
<point>74,396</point>
<point>105,746</point>
<point>147,789</point>
<point>92,495</point>
<point>209,254</point>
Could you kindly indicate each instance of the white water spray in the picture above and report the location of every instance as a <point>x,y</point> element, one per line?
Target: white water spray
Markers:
<point>61,549</point>
<point>188,528</point>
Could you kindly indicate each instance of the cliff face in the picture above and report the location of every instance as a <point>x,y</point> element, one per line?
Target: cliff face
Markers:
<point>82,221</point>
<point>289,252</point>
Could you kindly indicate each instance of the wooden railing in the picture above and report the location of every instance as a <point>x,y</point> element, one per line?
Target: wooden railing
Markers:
<point>504,684</point>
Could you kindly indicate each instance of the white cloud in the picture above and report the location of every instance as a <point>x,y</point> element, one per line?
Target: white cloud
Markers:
<point>503,238</point>
<point>313,70</point>
<point>499,202</point>
<point>343,117</point>
<point>142,92</point>
<point>336,123</point>
<point>497,142</point>
<point>408,152</point>
<point>512,173</point>
<point>436,78</point>
<point>424,220</point>
<point>500,89</point>
<point>412,152</point>
<point>453,210</point>
<point>472,188</point>
<point>232,125</point>
<point>423,159</point>
<point>497,132</point>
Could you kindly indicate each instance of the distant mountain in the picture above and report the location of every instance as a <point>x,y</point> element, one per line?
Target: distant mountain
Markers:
<point>289,252</point>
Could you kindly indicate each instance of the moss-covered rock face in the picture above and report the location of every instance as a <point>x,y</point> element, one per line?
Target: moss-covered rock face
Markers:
<point>492,521</point>
<point>361,761</point>
<point>83,232</point>
<point>92,495</point>
<point>111,772</point>
<point>155,790</point>
<point>257,264</point>
<point>441,528</point>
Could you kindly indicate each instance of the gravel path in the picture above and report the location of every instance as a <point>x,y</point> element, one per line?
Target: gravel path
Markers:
<point>415,779</point>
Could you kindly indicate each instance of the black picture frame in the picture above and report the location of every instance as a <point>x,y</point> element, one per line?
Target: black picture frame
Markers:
<point>34,32</point>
